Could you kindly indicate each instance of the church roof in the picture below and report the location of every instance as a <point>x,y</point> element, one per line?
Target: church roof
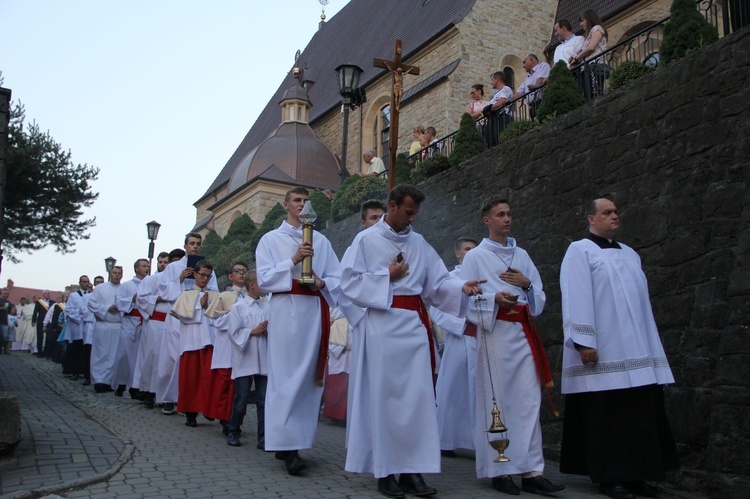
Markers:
<point>360,31</point>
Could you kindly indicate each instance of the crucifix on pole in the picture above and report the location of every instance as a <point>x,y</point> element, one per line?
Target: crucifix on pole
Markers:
<point>398,70</point>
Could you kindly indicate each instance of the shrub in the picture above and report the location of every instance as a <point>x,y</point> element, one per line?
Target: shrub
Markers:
<point>429,167</point>
<point>353,192</point>
<point>516,129</point>
<point>211,245</point>
<point>687,30</point>
<point>468,141</point>
<point>403,169</point>
<point>561,94</point>
<point>270,222</point>
<point>626,73</point>
<point>322,206</point>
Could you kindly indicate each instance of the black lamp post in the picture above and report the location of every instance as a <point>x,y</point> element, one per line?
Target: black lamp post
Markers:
<point>351,97</point>
<point>109,264</point>
<point>153,230</point>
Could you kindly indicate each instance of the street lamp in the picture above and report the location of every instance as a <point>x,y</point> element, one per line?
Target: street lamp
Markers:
<point>153,230</point>
<point>109,264</point>
<point>351,97</point>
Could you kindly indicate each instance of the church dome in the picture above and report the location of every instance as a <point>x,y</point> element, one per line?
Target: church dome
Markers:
<point>293,155</point>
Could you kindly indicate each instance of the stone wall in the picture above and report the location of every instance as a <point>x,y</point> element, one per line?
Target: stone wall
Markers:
<point>672,151</point>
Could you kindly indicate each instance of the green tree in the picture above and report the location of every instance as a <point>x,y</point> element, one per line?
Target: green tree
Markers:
<point>45,192</point>
<point>241,229</point>
<point>211,245</point>
<point>468,141</point>
<point>687,30</point>
<point>231,252</point>
<point>561,95</point>
<point>353,192</point>
<point>270,222</point>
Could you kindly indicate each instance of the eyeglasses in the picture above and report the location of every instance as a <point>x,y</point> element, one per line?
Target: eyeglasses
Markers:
<point>240,271</point>
<point>205,276</point>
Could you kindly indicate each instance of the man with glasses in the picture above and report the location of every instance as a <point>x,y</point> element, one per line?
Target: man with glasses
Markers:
<point>222,389</point>
<point>538,74</point>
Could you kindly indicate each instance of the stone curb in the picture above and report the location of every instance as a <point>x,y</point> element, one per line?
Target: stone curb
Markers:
<point>125,455</point>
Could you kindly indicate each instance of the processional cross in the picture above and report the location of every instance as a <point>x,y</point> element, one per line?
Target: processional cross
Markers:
<point>398,70</point>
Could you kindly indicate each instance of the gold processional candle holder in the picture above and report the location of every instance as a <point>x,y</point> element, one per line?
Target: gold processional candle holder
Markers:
<point>307,216</point>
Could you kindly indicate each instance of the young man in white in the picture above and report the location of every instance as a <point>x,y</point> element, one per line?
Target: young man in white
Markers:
<point>392,419</point>
<point>518,367</point>
<point>154,311</point>
<point>248,332</point>
<point>106,332</point>
<point>299,324</point>
<point>130,330</point>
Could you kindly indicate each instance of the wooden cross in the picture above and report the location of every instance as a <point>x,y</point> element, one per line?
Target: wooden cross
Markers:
<point>398,70</point>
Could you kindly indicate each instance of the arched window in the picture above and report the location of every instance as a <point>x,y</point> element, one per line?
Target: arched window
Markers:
<point>510,77</point>
<point>381,134</point>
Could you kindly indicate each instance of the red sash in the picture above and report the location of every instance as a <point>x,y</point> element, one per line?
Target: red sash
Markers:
<point>159,316</point>
<point>523,316</point>
<point>414,302</point>
<point>325,317</point>
<point>135,313</point>
<point>470,330</point>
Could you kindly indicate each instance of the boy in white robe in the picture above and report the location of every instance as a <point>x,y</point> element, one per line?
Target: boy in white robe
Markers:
<point>517,367</point>
<point>455,389</point>
<point>392,418</point>
<point>248,332</point>
<point>298,330</point>
<point>106,332</point>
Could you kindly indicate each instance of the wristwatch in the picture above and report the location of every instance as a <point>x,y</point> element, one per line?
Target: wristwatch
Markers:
<point>526,290</point>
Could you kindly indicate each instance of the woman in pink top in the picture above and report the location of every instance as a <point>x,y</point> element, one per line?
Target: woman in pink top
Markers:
<point>596,37</point>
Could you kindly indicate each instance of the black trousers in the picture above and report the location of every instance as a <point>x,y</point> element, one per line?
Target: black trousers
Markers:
<point>39,338</point>
<point>618,435</point>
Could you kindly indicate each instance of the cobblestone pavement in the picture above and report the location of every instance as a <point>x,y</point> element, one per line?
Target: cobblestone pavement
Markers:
<point>80,444</point>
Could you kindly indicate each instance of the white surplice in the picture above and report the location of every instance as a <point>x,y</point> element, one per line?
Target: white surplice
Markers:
<point>606,306</point>
<point>456,385</point>
<point>106,333</point>
<point>26,334</point>
<point>392,418</point>
<point>130,334</point>
<point>218,311</point>
<point>294,332</point>
<point>151,333</point>
<point>514,375</point>
<point>75,310</point>
<point>249,353</point>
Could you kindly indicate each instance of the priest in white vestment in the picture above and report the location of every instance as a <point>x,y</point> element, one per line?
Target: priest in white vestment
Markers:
<point>510,356</point>
<point>455,387</point>
<point>392,418</point>
<point>75,311</point>
<point>614,365</point>
<point>106,332</point>
<point>154,312</point>
<point>26,333</point>
<point>297,331</point>
<point>130,330</point>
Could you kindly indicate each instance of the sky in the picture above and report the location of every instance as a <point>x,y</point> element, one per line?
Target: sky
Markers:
<point>156,94</point>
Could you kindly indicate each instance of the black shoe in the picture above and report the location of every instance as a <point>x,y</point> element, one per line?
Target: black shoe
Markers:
<point>136,394</point>
<point>148,400</point>
<point>506,484</point>
<point>448,453</point>
<point>190,420</point>
<point>209,419</point>
<point>294,464</point>
<point>540,484</point>
<point>414,483</point>
<point>225,427</point>
<point>643,489</point>
<point>168,409</point>
<point>389,487</point>
<point>120,390</point>
<point>233,440</point>
<point>261,445</point>
<point>616,490</point>
<point>101,388</point>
